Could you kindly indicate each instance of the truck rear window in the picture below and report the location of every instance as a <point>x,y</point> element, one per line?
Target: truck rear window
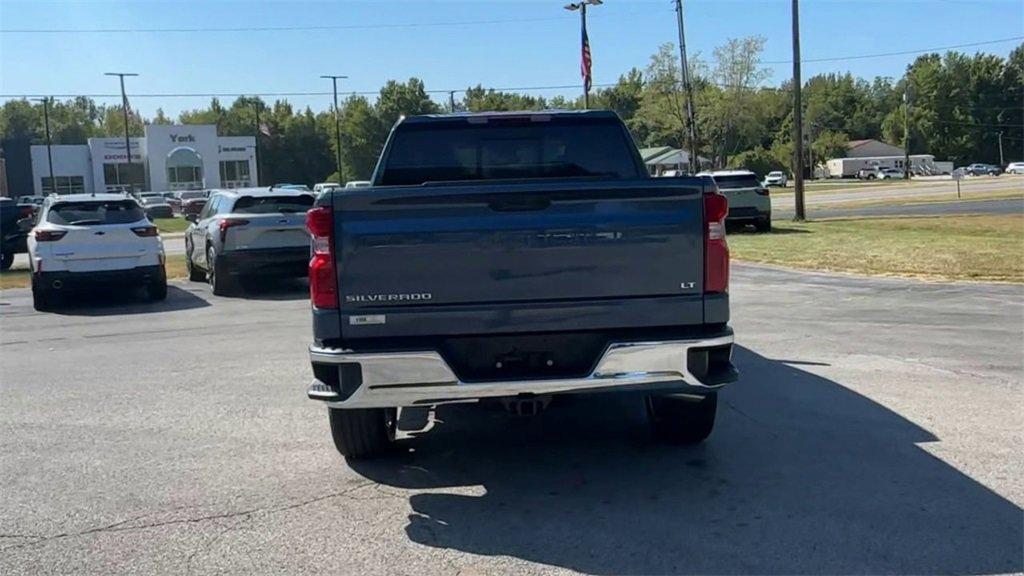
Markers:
<point>95,213</point>
<point>272,204</point>
<point>738,181</point>
<point>508,149</point>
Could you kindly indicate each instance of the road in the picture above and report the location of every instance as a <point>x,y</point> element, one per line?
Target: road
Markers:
<point>876,429</point>
<point>1001,206</point>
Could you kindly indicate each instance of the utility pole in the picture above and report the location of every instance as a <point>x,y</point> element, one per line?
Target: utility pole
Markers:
<point>451,101</point>
<point>49,153</point>
<point>684,67</point>
<point>124,107</point>
<point>1001,161</point>
<point>259,165</point>
<point>585,57</point>
<point>798,124</point>
<point>337,123</point>
<point>906,131</point>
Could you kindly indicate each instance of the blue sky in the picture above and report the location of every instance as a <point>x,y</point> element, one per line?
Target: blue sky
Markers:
<point>539,47</point>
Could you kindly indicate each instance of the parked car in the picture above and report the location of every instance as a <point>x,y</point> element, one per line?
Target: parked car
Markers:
<point>869,173</point>
<point>248,232</point>
<point>321,186</point>
<point>13,234</point>
<point>775,178</point>
<point>890,174</point>
<point>1015,168</point>
<point>357,184</point>
<point>34,200</point>
<point>983,170</point>
<point>87,240</point>
<point>156,205</point>
<point>749,202</point>
<point>550,263</point>
<point>299,187</point>
<point>172,199</point>
<point>192,201</point>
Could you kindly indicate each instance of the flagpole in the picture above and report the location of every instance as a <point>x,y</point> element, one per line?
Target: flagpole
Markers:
<point>585,56</point>
<point>584,41</point>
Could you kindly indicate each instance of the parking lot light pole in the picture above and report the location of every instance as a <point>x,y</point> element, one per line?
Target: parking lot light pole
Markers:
<point>49,153</point>
<point>337,123</point>
<point>684,68</point>
<point>124,107</point>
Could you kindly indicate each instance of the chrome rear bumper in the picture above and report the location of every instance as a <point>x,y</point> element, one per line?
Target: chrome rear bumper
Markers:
<point>392,379</point>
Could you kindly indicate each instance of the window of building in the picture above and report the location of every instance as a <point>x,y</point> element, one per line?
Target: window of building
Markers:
<point>235,174</point>
<point>65,185</point>
<point>184,169</point>
<point>124,177</point>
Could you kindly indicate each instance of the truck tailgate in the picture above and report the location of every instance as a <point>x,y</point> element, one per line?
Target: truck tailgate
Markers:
<point>475,256</point>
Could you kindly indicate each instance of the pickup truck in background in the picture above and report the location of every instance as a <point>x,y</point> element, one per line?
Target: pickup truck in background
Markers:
<point>12,235</point>
<point>517,256</point>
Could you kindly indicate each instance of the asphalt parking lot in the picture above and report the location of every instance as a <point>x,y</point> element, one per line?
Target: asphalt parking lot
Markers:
<point>876,429</point>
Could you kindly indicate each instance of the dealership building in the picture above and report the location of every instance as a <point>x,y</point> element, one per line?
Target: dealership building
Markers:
<point>167,158</point>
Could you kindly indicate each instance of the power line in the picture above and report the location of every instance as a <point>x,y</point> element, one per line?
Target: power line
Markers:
<point>900,53</point>
<point>304,28</point>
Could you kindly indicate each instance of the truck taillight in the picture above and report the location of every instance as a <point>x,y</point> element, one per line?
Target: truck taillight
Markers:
<point>49,235</point>
<point>228,223</point>
<point>716,250</point>
<point>323,278</point>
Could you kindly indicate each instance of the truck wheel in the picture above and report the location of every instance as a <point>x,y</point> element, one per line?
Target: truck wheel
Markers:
<point>764,224</point>
<point>363,432</point>
<point>6,259</point>
<point>194,274</point>
<point>217,276</point>
<point>681,420</point>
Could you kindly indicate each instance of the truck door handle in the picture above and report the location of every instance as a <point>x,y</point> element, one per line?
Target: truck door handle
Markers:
<point>528,204</point>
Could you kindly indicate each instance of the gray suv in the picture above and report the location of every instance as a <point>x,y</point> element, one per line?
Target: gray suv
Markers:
<point>248,232</point>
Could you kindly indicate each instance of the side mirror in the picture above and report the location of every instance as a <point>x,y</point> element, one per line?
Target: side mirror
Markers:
<point>25,224</point>
<point>192,218</point>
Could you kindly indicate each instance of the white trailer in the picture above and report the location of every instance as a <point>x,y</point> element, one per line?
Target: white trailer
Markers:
<point>849,167</point>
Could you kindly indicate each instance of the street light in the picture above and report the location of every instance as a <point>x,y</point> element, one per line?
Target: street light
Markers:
<point>49,153</point>
<point>337,122</point>
<point>124,107</point>
<point>585,59</point>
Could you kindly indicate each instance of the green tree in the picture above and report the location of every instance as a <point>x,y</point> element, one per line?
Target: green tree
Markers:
<point>20,120</point>
<point>478,99</point>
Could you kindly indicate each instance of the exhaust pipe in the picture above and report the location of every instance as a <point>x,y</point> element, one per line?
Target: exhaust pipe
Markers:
<point>57,284</point>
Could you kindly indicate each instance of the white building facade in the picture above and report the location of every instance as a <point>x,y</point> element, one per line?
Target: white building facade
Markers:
<point>167,158</point>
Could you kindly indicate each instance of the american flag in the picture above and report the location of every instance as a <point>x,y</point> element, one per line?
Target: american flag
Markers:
<point>585,60</point>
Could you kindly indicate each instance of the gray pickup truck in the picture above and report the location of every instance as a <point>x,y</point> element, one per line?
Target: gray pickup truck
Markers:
<point>517,256</point>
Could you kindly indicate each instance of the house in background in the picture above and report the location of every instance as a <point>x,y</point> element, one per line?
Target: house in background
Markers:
<point>875,153</point>
<point>663,158</point>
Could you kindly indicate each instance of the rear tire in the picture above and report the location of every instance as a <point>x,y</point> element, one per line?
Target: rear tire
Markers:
<point>6,259</point>
<point>157,289</point>
<point>680,420</point>
<point>363,432</point>
<point>194,274</point>
<point>42,298</point>
<point>764,224</point>
<point>217,276</point>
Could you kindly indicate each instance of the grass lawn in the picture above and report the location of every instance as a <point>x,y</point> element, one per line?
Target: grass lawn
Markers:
<point>165,225</point>
<point>22,279</point>
<point>985,247</point>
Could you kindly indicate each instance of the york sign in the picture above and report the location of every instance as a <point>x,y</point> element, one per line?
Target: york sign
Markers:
<point>180,139</point>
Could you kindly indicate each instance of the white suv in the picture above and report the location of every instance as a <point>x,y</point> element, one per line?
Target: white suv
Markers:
<point>749,202</point>
<point>87,240</point>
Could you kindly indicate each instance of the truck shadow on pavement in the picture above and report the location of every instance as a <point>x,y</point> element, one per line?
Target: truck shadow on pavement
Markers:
<point>114,303</point>
<point>801,476</point>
